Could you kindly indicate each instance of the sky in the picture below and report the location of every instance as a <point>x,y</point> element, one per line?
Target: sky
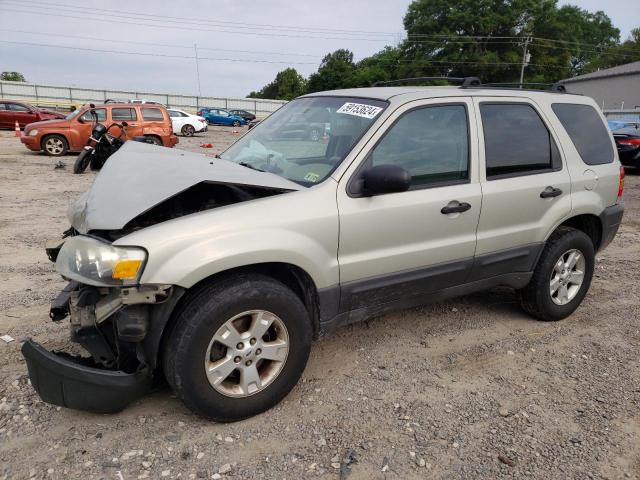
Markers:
<point>241,44</point>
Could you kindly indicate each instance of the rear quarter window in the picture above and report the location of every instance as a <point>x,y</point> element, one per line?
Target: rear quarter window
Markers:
<point>587,132</point>
<point>152,114</point>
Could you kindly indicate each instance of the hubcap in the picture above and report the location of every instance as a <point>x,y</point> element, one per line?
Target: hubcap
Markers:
<point>247,353</point>
<point>567,277</point>
<point>54,146</point>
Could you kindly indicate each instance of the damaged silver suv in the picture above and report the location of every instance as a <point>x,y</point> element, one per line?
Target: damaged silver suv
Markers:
<point>217,273</point>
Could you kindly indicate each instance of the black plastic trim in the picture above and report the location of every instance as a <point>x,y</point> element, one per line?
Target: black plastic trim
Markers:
<point>503,262</point>
<point>611,218</point>
<point>67,383</point>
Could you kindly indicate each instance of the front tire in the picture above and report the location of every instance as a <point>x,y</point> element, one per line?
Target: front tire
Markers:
<point>236,123</point>
<point>562,276</point>
<point>81,163</point>
<point>238,347</point>
<point>55,145</point>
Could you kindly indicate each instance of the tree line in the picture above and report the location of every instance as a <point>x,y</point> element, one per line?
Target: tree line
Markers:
<point>483,38</point>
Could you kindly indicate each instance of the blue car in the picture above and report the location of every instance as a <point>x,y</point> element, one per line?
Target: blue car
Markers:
<point>220,116</point>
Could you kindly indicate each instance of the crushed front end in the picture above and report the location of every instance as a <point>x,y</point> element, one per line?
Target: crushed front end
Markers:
<point>111,317</point>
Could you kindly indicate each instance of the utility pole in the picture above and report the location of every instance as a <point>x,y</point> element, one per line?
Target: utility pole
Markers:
<point>526,58</point>
<point>195,48</point>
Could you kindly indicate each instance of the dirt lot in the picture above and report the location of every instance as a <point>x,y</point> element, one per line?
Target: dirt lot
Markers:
<point>470,388</point>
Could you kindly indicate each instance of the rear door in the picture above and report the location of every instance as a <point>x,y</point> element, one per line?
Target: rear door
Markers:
<point>526,187</point>
<point>5,116</point>
<point>154,122</point>
<point>402,245</point>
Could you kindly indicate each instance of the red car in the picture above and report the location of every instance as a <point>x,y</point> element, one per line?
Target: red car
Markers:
<point>12,111</point>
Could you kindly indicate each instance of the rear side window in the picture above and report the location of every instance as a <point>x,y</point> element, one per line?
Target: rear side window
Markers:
<point>124,114</point>
<point>516,141</point>
<point>587,132</point>
<point>153,114</point>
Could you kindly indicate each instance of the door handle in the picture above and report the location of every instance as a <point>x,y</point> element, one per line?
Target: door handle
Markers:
<point>459,208</point>
<point>550,192</point>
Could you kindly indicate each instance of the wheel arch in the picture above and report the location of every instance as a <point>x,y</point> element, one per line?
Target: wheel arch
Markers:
<point>292,276</point>
<point>587,223</point>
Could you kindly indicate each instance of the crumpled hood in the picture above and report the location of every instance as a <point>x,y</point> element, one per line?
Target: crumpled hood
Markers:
<point>139,176</point>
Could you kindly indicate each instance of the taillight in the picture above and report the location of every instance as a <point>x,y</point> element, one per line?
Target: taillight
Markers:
<point>620,185</point>
<point>628,141</point>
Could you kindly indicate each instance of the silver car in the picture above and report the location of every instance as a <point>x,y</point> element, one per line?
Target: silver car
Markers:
<point>216,274</point>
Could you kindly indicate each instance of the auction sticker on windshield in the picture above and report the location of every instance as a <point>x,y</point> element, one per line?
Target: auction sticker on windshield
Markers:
<point>359,110</point>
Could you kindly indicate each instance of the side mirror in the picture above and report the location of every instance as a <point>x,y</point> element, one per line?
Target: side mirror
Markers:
<point>125,124</point>
<point>81,120</point>
<point>383,179</point>
<point>92,105</point>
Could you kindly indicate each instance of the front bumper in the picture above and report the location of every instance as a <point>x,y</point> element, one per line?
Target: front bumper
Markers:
<point>32,143</point>
<point>64,381</point>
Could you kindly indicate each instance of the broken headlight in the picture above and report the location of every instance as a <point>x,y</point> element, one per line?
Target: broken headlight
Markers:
<point>94,262</point>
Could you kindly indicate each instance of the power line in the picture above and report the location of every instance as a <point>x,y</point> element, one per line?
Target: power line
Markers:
<point>153,44</point>
<point>82,8</point>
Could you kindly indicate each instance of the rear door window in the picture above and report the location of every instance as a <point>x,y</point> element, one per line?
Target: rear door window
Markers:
<point>516,141</point>
<point>17,107</point>
<point>119,114</point>
<point>152,114</point>
<point>587,132</point>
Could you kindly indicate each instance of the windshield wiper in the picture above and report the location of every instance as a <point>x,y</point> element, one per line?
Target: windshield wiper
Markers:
<point>248,165</point>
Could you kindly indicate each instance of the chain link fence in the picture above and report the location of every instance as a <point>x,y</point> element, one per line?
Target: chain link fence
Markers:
<point>63,98</point>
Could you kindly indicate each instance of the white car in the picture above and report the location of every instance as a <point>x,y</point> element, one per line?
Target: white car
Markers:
<point>185,123</point>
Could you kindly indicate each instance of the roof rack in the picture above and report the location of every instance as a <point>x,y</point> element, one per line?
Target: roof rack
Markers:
<point>475,82</point>
<point>554,87</point>
<point>464,81</point>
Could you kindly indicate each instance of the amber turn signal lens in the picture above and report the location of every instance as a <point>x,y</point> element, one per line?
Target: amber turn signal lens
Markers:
<point>126,269</point>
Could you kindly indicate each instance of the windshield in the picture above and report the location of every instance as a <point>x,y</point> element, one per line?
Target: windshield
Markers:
<point>306,139</point>
<point>72,114</point>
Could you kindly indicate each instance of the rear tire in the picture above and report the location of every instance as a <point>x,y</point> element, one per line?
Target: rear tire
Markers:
<point>189,350</point>
<point>155,140</point>
<point>557,288</point>
<point>82,161</point>
<point>55,145</point>
<point>188,131</point>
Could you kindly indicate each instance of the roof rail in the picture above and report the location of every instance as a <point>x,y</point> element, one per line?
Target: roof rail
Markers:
<point>554,87</point>
<point>464,81</point>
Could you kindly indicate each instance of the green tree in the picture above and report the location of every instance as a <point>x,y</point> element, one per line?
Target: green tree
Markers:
<point>381,66</point>
<point>12,77</point>
<point>336,71</point>
<point>288,84</point>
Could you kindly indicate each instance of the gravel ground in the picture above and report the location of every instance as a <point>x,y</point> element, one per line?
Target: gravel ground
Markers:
<point>470,388</point>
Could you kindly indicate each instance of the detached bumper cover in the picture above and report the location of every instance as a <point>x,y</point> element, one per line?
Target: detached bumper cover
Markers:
<point>65,382</point>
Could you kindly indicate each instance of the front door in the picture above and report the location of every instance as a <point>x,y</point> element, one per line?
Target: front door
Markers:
<point>525,184</point>
<point>406,244</point>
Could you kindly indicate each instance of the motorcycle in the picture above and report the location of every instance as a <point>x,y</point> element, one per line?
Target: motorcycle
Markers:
<point>102,144</point>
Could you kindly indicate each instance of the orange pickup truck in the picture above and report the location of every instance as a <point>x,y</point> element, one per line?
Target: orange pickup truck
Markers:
<point>57,137</point>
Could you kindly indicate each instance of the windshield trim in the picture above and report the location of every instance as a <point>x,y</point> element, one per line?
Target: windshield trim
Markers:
<point>384,104</point>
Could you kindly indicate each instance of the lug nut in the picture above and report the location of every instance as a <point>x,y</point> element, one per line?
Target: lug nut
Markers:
<point>248,363</point>
<point>237,359</point>
<point>258,351</point>
<point>252,341</point>
<point>240,346</point>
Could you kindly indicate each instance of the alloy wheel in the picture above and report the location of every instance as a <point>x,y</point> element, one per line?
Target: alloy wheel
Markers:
<point>567,277</point>
<point>54,146</point>
<point>247,353</point>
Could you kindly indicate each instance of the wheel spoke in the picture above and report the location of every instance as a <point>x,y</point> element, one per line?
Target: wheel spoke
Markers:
<point>563,294</point>
<point>228,335</point>
<point>572,260</point>
<point>260,323</point>
<point>250,379</point>
<point>276,350</point>
<point>554,285</point>
<point>220,369</point>
<point>559,266</point>
<point>576,277</point>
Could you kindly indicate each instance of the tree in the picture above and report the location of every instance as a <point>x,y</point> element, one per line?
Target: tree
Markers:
<point>336,71</point>
<point>288,84</point>
<point>12,77</point>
